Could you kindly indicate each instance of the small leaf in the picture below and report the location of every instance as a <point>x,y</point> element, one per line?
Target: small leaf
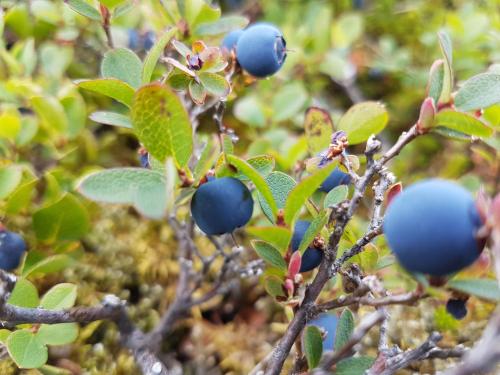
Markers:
<point>26,349</point>
<point>66,219</point>
<point>155,53</point>
<point>274,286</point>
<point>335,196</point>
<point>222,26</point>
<point>51,264</point>
<point>363,120</point>
<point>111,118</point>
<point>446,49</point>
<point>269,254</point>
<point>51,112</point>
<point>257,179</point>
<point>345,327</point>
<point>10,178</point>
<point>181,48</point>
<point>162,123</point>
<point>279,237</point>
<point>111,87</point>
<point>319,128</point>
<point>197,92</point>
<point>20,197</point>
<point>143,188</point>
<point>85,9</point>
<point>312,231</point>
<point>301,193</point>
<point>215,84</point>
<point>58,334</point>
<point>280,185</point>
<point>124,65</point>
<point>427,113</point>
<point>24,294</point>
<point>480,91</point>
<point>354,365</point>
<point>264,164</point>
<point>249,110</point>
<point>289,101</point>
<point>482,288</point>
<point>436,77</point>
<point>313,346</point>
<point>462,122</point>
<point>59,297</point>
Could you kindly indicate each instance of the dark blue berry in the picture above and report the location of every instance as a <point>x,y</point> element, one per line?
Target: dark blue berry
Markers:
<point>261,50</point>
<point>431,228</point>
<point>148,40</point>
<point>134,40</point>
<point>336,178</point>
<point>457,308</point>
<point>312,257</point>
<point>328,323</point>
<point>230,40</point>
<point>144,160</point>
<point>12,248</point>
<point>221,205</point>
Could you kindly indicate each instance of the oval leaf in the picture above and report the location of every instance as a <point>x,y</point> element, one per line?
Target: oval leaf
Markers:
<point>482,288</point>
<point>59,297</point>
<point>319,128</point>
<point>215,84</point>
<point>313,346</point>
<point>312,231</point>
<point>85,9</point>
<point>155,53</point>
<point>480,91</point>
<point>335,196</point>
<point>363,120</point>
<point>462,122</point>
<point>269,254</point>
<point>26,349</point>
<point>58,334</point>
<point>111,118</point>
<point>345,327</point>
<point>24,294</point>
<point>111,87</point>
<point>122,64</point>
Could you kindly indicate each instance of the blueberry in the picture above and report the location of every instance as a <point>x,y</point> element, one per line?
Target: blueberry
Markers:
<point>12,248</point>
<point>144,160</point>
<point>457,308</point>
<point>431,228</point>
<point>328,323</point>
<point>230,40</point>
<point>261,50</point>
<point>148,40</point>
<point>221,205</point>
<point>312,257</point>
<point>133,39</point>
<point>336,178</point>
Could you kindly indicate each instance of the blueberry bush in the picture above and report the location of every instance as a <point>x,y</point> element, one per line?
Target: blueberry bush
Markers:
<point>257,187</point>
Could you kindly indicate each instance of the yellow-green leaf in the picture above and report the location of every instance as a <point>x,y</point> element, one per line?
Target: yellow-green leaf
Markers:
<point>363,120</point>
<point>111,87</point>
<point>462,122</point>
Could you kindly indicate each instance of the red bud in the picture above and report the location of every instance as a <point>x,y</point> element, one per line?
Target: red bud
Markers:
<point>393,191</point>
<point>294,264</point>
<point>426,118</point>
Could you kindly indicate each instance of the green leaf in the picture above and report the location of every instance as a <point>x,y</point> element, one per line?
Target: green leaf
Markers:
<point>446,49</point>
<point>111,87</point>
<point>206,160</point>
<point>436,79</point>
<point>363,120</point>
<point>4,335</point>
<point>51,264</point>
<point>24,294</point>
<point>85,9</point>
<point>51,112</point>
<point>257,179</point>
<point>462,122</point>
<point>335,196</point>
<point>267,252</point>
<point>111,118</point>
<point>223,25</point>
<point>10,178</point>
<point>280,185</point>
<point>279,237</point>
<point>58,334</point>
<point>11,124</point>
<point>482,288</point>
<point>273,285</point>
<point>66,219</point>
<point>20,197</point>
<point>249,111</point>
<point>319,128</point>
<point>26,349</point>
<point>143,188</point>
<point>155,53</point>
<point>124,65</point>
<point>162,124</point>
<point>354,365</point>
<point>480,91</point>
<point>345,327</point>
<point>289,101</point>
<point>52,370</point>
<point>301,193</point>
<point>59,297</point>
<point>111,3</point>
<point>199,11</point>
<point>264,164</point>
<point>197,92</point>
<point>312,231</point>
<point>215,84</point>
<point>313,346</point>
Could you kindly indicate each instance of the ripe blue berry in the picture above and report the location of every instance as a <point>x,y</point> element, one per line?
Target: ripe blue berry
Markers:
<point>261,50</point>
<point>12,248</point>
<point>336,178</point>
<point>133,39</point>
<point>230,40</point>
<point>457,308</point>
<point>312,257</point>
<point>221,205</point>
<point>431,228</point>
<point>328,323</point>
<point>148,40</point>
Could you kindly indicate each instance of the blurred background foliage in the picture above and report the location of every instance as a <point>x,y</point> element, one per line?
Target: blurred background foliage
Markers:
<point>341,52</point>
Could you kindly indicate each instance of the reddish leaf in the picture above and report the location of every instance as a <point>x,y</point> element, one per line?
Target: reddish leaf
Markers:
<point>294,264</point>
<point>393,191</point>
